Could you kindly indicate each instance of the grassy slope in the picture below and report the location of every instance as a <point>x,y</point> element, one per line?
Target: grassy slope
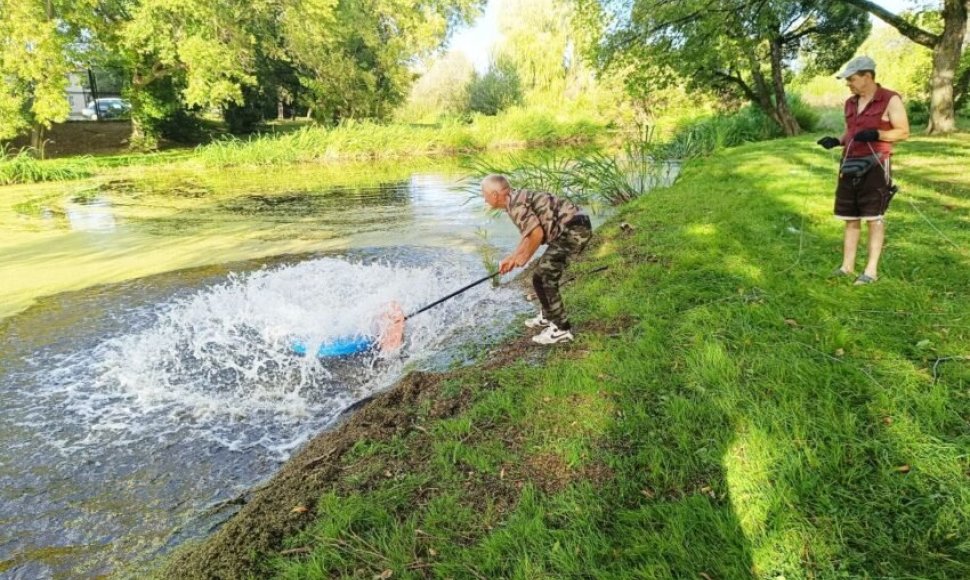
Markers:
<point>728,411</point>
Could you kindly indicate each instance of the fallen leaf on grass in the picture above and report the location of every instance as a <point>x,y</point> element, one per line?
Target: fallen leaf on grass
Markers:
<point>300,509</point>
<point>648,493</point>
<point>840,352</point>
<point>501,474</point>
<point>887,421</point>
<point>384,575</point>
<point>791,322</point>
<point>903,469</point>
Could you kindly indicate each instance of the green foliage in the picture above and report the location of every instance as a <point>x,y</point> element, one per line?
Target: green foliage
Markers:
<point>902,65</point>
<point>442,91</point>
<point>353,60</point>
<point>24,167</point>
<point>496,90</point>
<point>703,136</point>
<point>35,51</point>
<point>589,179</point>
<point>808,118</point>
<point>741,49</point>
<point>536,44</point>
<point>345,58</point>
<point>370,140</point>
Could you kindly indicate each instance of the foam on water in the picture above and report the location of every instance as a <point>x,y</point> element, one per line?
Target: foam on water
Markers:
<point>218,363</point>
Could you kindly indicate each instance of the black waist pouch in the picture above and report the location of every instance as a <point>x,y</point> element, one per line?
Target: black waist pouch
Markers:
<point>858,166</point>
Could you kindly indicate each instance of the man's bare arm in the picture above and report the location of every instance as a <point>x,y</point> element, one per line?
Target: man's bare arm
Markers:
<point>523,253</point>
<point>897,116</point>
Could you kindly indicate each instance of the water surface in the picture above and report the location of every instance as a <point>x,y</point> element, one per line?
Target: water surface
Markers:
<point>146,369</point>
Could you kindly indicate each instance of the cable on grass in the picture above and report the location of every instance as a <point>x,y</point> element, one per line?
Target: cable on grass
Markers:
<point>932,225</point>
<point>944,359</point>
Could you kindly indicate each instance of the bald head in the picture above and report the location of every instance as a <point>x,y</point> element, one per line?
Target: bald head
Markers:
<point>495,190</point>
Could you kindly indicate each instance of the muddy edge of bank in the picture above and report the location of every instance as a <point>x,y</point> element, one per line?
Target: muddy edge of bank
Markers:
<point>283,506</point>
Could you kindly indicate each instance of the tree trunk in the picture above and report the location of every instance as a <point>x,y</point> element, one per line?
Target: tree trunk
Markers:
<point>946,59</point>
<point>960,90</point>
<point>764,93</point>
<point>141,139</point>
<point>37,140</point>
<point>280,110</point>
<point>783,114</point>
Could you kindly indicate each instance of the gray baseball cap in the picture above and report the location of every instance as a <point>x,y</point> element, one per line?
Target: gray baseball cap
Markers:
<point>858,64</point>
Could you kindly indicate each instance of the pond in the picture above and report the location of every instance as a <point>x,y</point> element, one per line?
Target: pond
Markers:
<point>147,372</point>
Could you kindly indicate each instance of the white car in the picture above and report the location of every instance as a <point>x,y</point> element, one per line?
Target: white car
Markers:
<point>108,107</point>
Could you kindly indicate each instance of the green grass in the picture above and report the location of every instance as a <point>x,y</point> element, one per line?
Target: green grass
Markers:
<point>25,168</point>
<point>727,411</point>
<point>364,140</point>
<point>698,137</point>
<point>351,141</point>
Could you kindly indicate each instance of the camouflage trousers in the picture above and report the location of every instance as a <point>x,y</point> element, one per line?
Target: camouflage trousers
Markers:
<point>550,268</point>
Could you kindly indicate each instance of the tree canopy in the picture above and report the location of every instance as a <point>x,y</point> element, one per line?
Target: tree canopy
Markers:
<point>737,48</point>
<point>343,58</point>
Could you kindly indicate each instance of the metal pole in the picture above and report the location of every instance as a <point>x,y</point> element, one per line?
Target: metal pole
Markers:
<point>453,294</point>
<point>94,94</point>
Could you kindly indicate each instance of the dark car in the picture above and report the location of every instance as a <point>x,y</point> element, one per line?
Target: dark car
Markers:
<point>108,108</point>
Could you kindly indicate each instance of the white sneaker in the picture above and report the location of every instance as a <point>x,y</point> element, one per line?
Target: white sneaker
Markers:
<point>537,322</point>
<point>552,335</point>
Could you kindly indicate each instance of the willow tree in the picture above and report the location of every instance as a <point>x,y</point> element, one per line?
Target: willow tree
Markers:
<point>947,46</point>
<point>356,62</point>
<point>36,46</point>
<point>740,47</point>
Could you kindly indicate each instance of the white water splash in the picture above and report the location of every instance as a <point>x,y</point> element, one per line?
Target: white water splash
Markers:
<point>219,364</point>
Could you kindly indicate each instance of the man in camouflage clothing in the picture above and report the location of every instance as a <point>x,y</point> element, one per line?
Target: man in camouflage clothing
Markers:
<point>542,218</point>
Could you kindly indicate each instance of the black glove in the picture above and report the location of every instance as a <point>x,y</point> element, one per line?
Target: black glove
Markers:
<point>866,136</point>
<point>829,142</point>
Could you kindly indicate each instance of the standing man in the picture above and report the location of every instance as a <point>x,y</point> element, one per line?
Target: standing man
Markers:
<point>875,118</point>
<point>542,218</point>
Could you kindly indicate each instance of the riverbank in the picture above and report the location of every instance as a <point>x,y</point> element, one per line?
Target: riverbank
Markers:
<point>353,141</point>
<point>727,411</point>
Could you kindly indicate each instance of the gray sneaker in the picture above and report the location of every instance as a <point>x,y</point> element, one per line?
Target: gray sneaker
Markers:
<point>537,322</point>
<point>552,335</point>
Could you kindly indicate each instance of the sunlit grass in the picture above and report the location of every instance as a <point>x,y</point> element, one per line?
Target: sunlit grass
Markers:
<point>23,167</point>
<point>347,142</point>
<point>727,411</point>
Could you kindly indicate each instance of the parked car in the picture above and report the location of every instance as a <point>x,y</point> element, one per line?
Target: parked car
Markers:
<point>108,107</point>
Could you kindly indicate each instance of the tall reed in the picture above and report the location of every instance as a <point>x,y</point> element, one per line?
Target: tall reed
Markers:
<point>611,178</point>
<point>23,167</point>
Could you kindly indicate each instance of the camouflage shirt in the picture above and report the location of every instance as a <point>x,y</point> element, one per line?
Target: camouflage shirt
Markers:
<point>531,209</point>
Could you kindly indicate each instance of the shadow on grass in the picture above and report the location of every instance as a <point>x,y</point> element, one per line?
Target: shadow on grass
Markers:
<point>727,412</point>
<point>769,401</point>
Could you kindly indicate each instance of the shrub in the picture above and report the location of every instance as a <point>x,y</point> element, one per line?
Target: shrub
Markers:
<point>498,89</point>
